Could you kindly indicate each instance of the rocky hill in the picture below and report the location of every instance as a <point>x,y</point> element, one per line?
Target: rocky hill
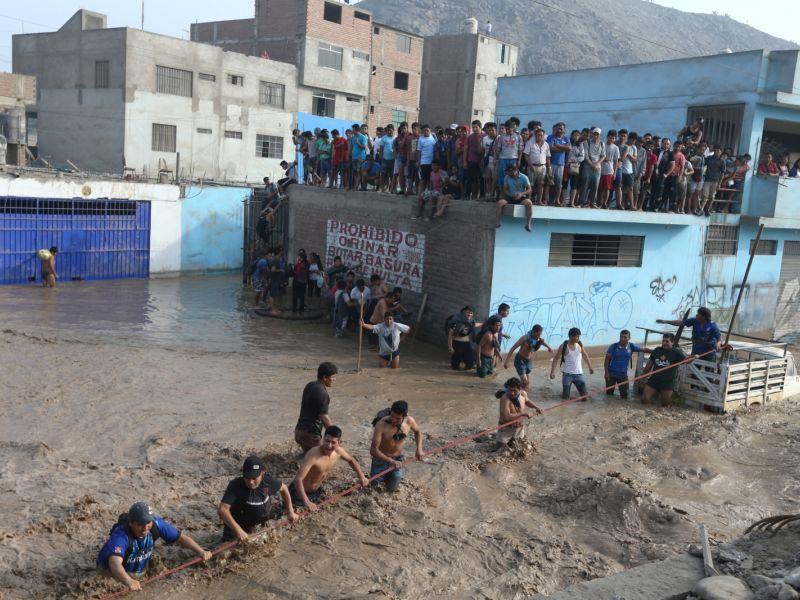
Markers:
<point>554,35</point>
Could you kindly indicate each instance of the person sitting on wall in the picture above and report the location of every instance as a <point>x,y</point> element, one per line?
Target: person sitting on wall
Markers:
<point>434,195</point>
<point>516,190</point>
<point>370,173</point>
<point>290,176</point>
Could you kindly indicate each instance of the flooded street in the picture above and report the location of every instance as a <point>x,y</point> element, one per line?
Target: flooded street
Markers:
<point>156,389</point>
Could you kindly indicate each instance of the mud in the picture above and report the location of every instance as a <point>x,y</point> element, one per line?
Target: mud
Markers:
<point>119,391</point>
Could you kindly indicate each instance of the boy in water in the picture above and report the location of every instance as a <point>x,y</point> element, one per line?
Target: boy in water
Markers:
<point>523,361</point>
<point>388,438</point>
<point>571,356</point>
<point>306,488</point>
<point>49,274</point>
<point>489,347</point>
<point>389,336</point>
<point>513,401</point>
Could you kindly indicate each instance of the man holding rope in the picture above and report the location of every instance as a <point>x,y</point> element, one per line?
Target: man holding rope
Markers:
<point>513,401</point>
<point>663,382</point>
<point>705,333</point>
<point>388,438</point>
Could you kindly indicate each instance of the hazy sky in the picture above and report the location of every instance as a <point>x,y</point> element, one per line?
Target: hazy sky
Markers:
<point>172,17</point>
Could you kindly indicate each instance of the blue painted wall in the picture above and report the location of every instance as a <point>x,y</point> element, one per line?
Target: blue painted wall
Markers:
<point>675,275</point>
<point>309,122</point>
<point>212,221</point>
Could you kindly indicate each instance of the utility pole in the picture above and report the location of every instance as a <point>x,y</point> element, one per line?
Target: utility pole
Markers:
<point>142,15</point>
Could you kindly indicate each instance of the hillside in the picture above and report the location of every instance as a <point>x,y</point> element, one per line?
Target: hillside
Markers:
<point>580,33</point>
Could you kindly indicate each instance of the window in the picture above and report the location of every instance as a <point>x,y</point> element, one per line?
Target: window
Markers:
<point>398,116</point>
<point>271,93</point>
<point>352,99</point>
<point>477,113</point>
<point>791,248</point>
<point>236,80</point>
<point>372,109</point>
<point>480,76</point>
<point>330,56</point>
<point>722,124</point>
<point>173,81</point>
<point>765,247</point>
<point>332,13</point>
<point>203,130</point>
<point>101,74</point>
<point>503,53</point>
<point>581,250</point>
<point>722,240</point>
<point>164,137</point>
<point>207,76</point>
<point>233,135</point>
<point>403,43</point>
<point>400,80</point>
<point>376,30</point>
<point>323,104</point>
<point>360,55</point>
<point>269,146</point>
<point>362,15</point>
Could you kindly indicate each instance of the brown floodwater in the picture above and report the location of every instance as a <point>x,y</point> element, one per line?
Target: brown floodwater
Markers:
<point>156,389</point>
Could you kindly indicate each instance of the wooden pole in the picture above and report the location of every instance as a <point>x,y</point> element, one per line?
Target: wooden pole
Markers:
<point>741,289</point>
<point>419,317</point>
<point>360,331</point>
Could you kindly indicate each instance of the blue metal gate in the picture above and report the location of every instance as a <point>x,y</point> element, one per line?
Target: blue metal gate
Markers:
<point>96,239</point>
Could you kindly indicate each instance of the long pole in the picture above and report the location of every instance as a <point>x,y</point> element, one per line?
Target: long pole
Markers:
<point>741,288</point>
<point>360,331</point>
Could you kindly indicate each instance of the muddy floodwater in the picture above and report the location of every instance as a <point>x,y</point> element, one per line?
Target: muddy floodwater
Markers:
<point>155,390</point>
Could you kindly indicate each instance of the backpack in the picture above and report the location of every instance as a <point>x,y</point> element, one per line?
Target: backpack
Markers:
<point>384,412</point>
<point>564,349</point>
<point>534,344</point>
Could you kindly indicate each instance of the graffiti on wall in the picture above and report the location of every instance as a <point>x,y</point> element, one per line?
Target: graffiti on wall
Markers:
<point>597,311</point>
<point>660,287</point>
<point>757,307</point>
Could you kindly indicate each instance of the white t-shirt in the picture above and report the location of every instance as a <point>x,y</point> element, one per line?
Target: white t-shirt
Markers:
<point>612,156</point>
<point>389,337</point>
<point>355,294</point>
<point>573,365</point>
<point>538,154</point>
<point>629,160</point>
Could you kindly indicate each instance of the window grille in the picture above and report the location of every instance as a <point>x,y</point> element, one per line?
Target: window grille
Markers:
<point>765,247</point>
<point>237,80</point>
<point>722,124</point>
<point>360,55</point>
<point>233,135</point>
<point>101,74</point>
<point>164,137</point>
<point>269,146</point>
<point>204,130</point>
<point>207,76</point>
<point>721,240</point>
<point>587,250</point>
<point>173,81</point>
<point>271,93</point>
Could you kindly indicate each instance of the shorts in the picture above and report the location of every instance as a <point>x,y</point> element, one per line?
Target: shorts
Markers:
<point>537,174</point>
<point>430,196</point>
<point>462,173</point>
<point>399,165</point>
<point>315,496</point>
<point>258,283</point>
<point>411,169</point>
<point>695,186</point>
<point>388,358</point>
<point>387,167</point>
<point>511,200</point>
<point>606,182</point>
<point>357,163</point>
<point>522,365</point>
<point>662,387</point>
<point>425,173</point>
<point>618,178</point>
<point>558,173</point>
<point>510,433</point>
<point>489,168</point>
<point>392,479</point>
<point>574,181</point>
<point>343,167</point>
<point>487,366</point>
<point>627,181</point>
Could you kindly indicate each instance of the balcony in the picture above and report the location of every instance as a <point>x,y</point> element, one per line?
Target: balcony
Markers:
<point>775,201</point>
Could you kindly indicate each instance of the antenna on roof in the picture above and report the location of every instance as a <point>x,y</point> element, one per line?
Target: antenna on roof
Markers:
<point>142,15</point>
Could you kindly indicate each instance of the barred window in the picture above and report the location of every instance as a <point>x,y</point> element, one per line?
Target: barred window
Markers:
<point>791,248</point>
<point>765,247</point>
<point>233,135</point>
<point>330,56</point>
<point>271,93</point>
<point>164,137</point>
<point>237,80</point>
<point>721,240</point>
<point>360,55</point>
<point>403,43</point>
<point>207,76</point>
<point>269,146</point>
<point>722,124</point>
<point>204,130</point>
<point>101,74</point>
<point>173,81</point>
<point>586,250</point>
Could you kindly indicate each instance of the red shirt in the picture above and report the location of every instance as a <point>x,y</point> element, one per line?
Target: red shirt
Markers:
<point>769,169</point>
<point>340,150</point>
<point>680,165</point>
<point>474,147</point>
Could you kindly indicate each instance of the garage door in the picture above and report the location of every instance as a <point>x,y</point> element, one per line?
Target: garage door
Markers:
<point>96,239</point>
<point>787,311</point>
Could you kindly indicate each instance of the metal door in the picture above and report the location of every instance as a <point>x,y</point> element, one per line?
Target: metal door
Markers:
<point>96,239</point>
<point>787,310</point>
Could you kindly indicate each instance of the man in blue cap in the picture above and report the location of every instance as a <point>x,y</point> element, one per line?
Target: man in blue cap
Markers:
<point>129,547</point>
<point>247,502</point>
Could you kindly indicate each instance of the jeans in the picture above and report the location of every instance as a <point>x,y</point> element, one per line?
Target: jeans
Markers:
<point>668,195</point>
<point>567,379</point>
<point>590,179</point>
<point>299,295</point>
<point>392,478</point>
<point>617,380</point>
<point>462,352</point>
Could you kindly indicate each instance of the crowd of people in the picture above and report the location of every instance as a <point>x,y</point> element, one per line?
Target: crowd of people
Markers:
<point>246,505</point>
<point>587,168</point>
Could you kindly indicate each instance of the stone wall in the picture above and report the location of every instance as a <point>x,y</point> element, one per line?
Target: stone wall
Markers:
<point>458,255</point>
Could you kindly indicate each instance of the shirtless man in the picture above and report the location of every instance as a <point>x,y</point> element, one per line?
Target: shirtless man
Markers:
<point>513,401</point>
<point>388,437</point>
<point>49,274</point>
<point>489,347</point>
<point>306,488</point>
<point>527,344</point>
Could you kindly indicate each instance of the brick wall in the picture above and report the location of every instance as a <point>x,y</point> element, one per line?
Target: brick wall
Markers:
<point>18,87</point>
<point>351,32</point>
<point>459,250</point>
<point>387,59</point>
<point>236,30</point>
<point>280,18</point>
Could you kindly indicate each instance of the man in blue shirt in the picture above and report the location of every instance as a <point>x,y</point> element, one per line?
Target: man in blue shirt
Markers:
<point>426,144</point>
<point>559,146</point>
<point>358,153</point>
<point>618,358</point>
<point>129,547</point>
<point>705,333</point>
<point>516,190</point>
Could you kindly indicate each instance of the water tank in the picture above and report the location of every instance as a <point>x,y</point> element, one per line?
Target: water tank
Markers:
<point>12,125</point>
<point>470,25</point>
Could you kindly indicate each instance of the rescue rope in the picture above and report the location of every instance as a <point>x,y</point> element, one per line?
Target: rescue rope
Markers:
<point>452,444</point>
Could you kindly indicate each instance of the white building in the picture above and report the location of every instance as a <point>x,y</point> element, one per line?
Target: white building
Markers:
<point>111,98</point>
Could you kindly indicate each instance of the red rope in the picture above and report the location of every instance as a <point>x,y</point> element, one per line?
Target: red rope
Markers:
<point>452,444</point>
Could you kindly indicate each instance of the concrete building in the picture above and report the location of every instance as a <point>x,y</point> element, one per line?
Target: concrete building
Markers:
<point>329,42</point>
<point>17,121</point>
<point>111,98</point>
<point>461,72</point>
<point>396,76</point>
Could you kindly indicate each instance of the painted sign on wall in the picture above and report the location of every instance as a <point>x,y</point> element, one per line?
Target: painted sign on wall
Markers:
<point>397,256</point>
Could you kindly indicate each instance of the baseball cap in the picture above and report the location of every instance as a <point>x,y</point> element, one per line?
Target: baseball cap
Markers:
<point>252,466</point>
<point>140,512</point>
<point>453,125</point>
<point>596,130</point>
